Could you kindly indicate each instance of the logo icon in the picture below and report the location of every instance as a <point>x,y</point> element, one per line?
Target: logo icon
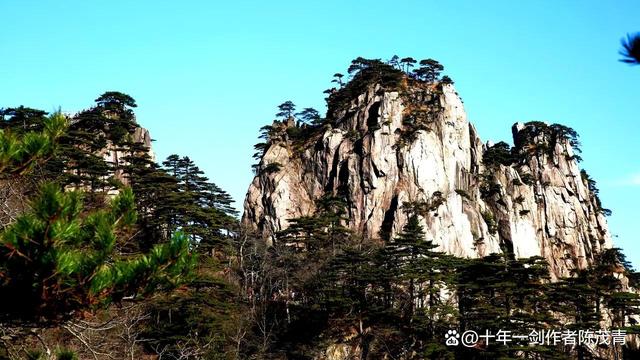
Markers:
<point>452,338</point>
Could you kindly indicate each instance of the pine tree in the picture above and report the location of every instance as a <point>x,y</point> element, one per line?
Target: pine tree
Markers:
<point>499,292</point>
<point>79,162</point>
<point>56,258</point>
<point>429,70</point>
<point>422,273</point>
<point>198,206</point>
<point>347,295</point>
<point>407,63</point>
<point>22,119</point>
<point>286,110</point>
<point>20,154</point>
<point>310,116</point>
<point>631,49</point>
<point>337,78</point>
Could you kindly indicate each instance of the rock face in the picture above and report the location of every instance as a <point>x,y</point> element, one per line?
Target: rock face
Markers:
<point>113,156</point>
<point>375,156</point>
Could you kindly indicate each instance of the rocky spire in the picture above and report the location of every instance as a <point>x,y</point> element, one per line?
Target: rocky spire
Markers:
<point>387,149</point>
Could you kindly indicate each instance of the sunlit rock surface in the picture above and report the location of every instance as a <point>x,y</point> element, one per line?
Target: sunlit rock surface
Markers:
<point>365,156</point>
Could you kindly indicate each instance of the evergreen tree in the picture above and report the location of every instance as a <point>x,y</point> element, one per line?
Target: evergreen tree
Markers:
<point>310,116</point>
<point>446,80</point>
<point>20,154</point>
<point>407,63</point>
<point>497,293</point>
<point>321,234</point>
<point>348,299</point>
<point>365,73</point>
<point>22,119</point>
<point>198,206</point>
<point>422,273</point>
<point>631,49</point>
<point>80,162</point>
<point>286,110</point>
<point>337,78</point>
<point>56,259</point>
<point>429,70</point>
<point>395,62</point>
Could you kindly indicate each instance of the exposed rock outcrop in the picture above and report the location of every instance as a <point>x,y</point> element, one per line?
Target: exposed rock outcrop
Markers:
<point>379,159</point>
<point>114,156</point>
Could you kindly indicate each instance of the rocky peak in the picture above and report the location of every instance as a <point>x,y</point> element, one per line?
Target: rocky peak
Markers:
<point>386,148</point>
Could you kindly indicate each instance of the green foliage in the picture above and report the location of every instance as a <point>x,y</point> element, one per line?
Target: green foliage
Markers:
<point>20,153</point>
<point>79,162</point>
<point>65,354</point>
<point>317,282</point>
<point>272,168</point>
<point>201,315</point>
<point>499,292</point>
<point>22,119</point>
<point>490,220</point>
<point>416,118</point>
<point>595,192</point>
<point>407,63</point>
<point>73,252</point>
<point>322,232</point>
<point>413,123</point>
<point>388,299</point>
<point>286,110</point>
<point>310,116</point>
<point>392,75</point>
<point>446,80</point>
<point>498,154</point>
<point>463,193</point>
<point>390,295</point>
<point>337,78</point>
<point>423,208</point>
<point>365,73</point>
<point>35,355</point>
<point>631,49</point>
<point>527,178</point>
<point>56,259</point>
<point>429,70</point>
<point>538,138</point>
<point>489,186</point>
<point>191,203</point>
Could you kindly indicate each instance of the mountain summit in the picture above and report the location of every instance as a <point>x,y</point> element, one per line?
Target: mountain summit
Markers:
<point>410,144</point>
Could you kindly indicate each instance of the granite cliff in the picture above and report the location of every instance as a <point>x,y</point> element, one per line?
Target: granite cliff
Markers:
<point>388,148</point>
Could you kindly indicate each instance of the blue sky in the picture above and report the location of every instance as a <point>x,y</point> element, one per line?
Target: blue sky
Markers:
<point>208,74</point>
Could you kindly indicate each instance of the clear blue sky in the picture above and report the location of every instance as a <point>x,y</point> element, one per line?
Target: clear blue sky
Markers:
<point>208,74</point>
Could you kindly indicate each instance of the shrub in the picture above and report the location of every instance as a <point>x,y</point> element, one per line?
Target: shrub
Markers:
<point>548,136</point>
<point>490,220</point>
<point>463,193</point>
<point>528,179</point>
<point>488,186</point>
<point>366,73</point>
<point>273,167</point>
<point>66,354</point>
<point>498,154</point>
